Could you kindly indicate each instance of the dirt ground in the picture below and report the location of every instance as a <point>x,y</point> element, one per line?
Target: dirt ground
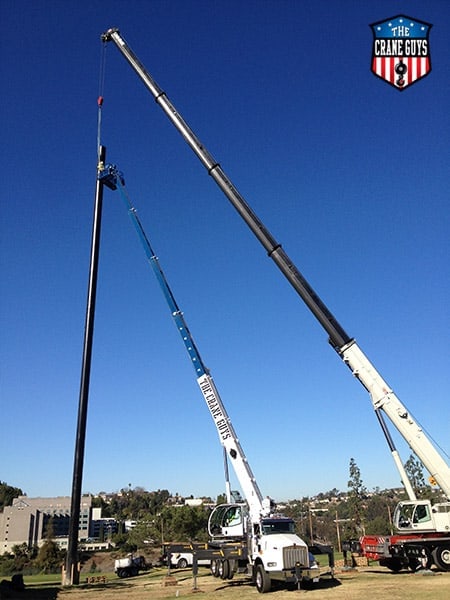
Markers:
<point>374,582</point>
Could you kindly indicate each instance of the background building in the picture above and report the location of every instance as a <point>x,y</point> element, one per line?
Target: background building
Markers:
<point>30,520</point>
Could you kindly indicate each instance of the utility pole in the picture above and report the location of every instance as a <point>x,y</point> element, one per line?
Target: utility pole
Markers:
<point>311,526</point>
<point>338,533</point>
<point>71,574</point>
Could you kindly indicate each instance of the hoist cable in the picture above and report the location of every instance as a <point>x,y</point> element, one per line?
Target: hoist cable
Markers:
<point>101,85</point>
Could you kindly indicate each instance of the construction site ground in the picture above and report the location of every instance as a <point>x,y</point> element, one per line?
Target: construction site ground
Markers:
<point>372,582</point>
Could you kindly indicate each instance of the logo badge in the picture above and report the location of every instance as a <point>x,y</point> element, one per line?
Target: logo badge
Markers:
<point>401,51</point>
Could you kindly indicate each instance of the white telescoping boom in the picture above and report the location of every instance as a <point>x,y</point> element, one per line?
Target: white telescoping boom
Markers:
<point>382,396</point>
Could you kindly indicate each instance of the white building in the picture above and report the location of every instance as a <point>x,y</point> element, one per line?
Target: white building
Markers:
<point>27,520</point>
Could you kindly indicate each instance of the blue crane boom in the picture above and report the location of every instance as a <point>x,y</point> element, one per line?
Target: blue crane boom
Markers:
<point>114,179</point>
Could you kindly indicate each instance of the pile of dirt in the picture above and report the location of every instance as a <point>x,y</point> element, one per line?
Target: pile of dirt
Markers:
<point>99,562</point>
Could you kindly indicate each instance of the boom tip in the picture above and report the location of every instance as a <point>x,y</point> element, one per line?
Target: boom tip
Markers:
<point>106,37</point>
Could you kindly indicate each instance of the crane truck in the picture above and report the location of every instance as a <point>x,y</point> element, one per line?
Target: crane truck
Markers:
<point>247,536</point>
<point>383,398</point>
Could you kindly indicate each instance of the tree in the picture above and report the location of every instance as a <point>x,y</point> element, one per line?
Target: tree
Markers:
<point>7,494</point>
<point>221,499</point>
<point>378,514</point>
<point>21,560</point>
<point>99,502</point>
<point>145,532</point>
<point>19,550</point>
<point>49,558</point>
<point>414,471</point>
<point>120,540</point>
<point>356,497</point>
<point>185,523</point>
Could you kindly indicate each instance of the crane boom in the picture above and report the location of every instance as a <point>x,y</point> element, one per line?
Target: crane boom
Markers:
<point>381,394</point>
<point>225,430</point>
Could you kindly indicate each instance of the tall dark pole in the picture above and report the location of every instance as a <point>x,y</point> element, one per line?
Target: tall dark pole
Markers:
<point>72,575</point>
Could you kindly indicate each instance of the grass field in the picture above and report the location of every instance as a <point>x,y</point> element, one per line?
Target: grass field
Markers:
<point>374,582</point>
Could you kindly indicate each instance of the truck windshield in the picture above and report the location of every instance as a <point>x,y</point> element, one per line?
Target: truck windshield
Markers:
<point>270,526</point>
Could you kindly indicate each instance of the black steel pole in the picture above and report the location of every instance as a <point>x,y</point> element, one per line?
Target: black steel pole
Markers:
<point>72,575</point>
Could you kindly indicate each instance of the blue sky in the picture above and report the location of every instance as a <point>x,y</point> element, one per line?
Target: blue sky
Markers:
<point>350,175</point>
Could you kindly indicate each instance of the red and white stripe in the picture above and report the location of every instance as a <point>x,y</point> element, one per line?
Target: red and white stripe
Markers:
<point>384,67</point>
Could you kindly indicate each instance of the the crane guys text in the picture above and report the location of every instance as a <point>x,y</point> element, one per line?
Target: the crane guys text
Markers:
<point>209,394</point>
<point>400,47</point>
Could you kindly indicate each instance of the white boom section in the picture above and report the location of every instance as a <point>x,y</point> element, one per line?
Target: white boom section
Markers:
<point>405,479</point>
<point>230,442</point>
<point>383,397</point>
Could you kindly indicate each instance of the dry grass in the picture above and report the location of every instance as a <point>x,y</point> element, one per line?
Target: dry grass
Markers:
<point>375,583</point>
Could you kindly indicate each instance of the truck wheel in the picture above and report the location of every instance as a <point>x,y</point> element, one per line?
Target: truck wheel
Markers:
<point>122,573</point>
<point>393,564</point>
<point>413,564</point>
<point>423,561</point>
<point>441,557</point>
<point>224,569</point>
<point>262,580</point>
<point>231,569</point>
<point>182,563</point>
<point>215,568</point>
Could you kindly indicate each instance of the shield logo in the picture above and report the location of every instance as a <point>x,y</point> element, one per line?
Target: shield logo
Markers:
<point>401,51</point>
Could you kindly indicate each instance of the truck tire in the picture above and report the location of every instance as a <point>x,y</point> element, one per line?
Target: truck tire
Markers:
<point>441,557</point>
<point>423,561</point>
<point>393,564</point>
<point>182,563</point>
<point>231,568</point>
<point>413,564</point>
<point>262,580</point>
<point>224,569</point>
<point>215,568</point>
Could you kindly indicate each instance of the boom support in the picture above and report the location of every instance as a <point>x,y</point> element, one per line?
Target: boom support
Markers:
<point>381,394</point>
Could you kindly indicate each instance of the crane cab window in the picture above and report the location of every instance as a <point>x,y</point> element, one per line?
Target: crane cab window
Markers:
<point>421,514</point>
<point>232,517</point>
<point>404,514</point>
<point>227,520</point>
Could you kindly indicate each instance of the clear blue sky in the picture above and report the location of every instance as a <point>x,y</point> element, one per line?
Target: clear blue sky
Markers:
<point>350,175</point>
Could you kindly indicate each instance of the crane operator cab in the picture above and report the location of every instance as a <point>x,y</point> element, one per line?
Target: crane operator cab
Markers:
<point>420,515</point>
<point>227,520</point>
